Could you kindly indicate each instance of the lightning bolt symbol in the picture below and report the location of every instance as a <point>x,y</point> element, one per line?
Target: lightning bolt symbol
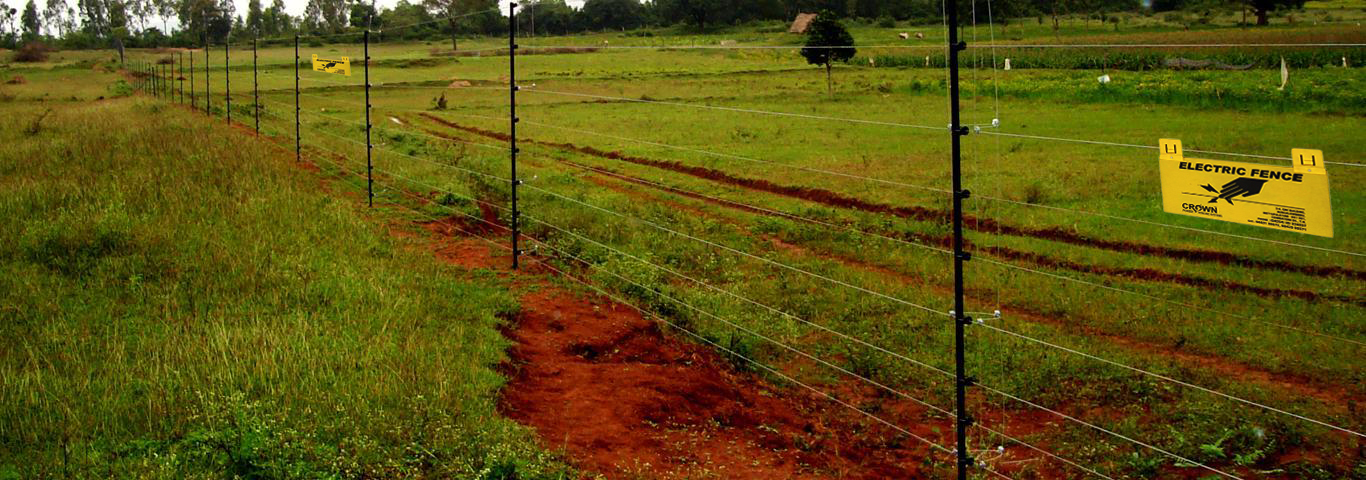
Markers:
<point>1210,188</point>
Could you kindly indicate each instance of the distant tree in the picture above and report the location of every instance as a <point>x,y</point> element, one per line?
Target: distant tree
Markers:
<point>329,16</point>
<point>54,15</point>
<point>827,42</point>
<point>255,16</point>
<point>1263,8</point>
<point>7,15</point>
<point>275,21</point>
<point>552,16</point>
<point>363,15</point>
<point>164,9</point>
<point>454,10</point>
<point>613,14</point>
<point>698,13</point>
<point>33,25</point>
<point>94,17</point>
<point>406,13</point>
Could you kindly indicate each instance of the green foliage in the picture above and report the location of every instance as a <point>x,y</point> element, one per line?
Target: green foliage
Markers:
<point>827,41</point>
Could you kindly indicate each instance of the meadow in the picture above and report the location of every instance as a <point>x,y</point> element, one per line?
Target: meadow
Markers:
<point>727,190</point>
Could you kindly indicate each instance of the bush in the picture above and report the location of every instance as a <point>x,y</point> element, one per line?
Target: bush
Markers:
<point>886,22</point>
<point>120,89</point>
<point>32,52</point>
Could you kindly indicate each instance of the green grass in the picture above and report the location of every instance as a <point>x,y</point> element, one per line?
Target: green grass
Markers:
<point>181,301</point>
<point>1214,110</point>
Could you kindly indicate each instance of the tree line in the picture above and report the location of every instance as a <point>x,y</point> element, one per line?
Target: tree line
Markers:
<point>156,23</point>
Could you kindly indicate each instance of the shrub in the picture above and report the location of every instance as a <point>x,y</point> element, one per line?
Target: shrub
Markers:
<point>120,89</point>
<point>32,52</point>
<point>886,22</point>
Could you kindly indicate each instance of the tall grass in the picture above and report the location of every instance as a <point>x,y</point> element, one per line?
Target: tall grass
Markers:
<point>177,301</point>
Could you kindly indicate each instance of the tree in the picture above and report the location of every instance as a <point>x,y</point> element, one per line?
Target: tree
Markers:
<point>406,13</point>
<point>254,16</point>
<point>275,21</point>
<point>363,14</point>
<point>164,9</point>
<point>698,13</point>
<point>33,26</point>
<point>455,10</point>
<point>326,15</point>
<point>7,15</point>
<point>551,16</point>
<point>827,42</point>
<point>1262,8</point>
<point>54,15</point>
<point>94,17</point>
<point>613,14</point>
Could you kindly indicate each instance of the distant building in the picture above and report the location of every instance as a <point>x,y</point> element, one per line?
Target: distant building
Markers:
<point>802,22</point>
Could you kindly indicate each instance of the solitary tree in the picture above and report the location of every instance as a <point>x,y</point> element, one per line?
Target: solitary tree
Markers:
<point>827,42</point>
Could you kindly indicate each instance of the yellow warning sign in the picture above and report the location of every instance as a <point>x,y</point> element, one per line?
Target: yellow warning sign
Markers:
<point>1291,198</point>
<point>342,66</point>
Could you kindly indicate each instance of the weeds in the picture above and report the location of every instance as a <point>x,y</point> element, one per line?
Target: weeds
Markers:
<point>35,126</point>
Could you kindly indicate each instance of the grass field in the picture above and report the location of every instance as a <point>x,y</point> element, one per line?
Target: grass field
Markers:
<point>177,305</point>
<point>1070,241</point>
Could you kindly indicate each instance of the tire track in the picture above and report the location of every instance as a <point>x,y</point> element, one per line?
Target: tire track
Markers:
<point>925,214</point>
<point>834,199</point>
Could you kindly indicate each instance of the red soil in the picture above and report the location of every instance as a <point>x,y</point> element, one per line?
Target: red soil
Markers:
<point>598,380</point>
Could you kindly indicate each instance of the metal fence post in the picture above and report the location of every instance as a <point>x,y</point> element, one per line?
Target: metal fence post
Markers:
<point>227,79</point>
<point>961,319</point>
<point>208,97</point>
<point>194,102</point>
<point>180,77</point>
<point>298,135</point>
<point>369,166</point>
<point>255,87</point>
<point>512,127</point>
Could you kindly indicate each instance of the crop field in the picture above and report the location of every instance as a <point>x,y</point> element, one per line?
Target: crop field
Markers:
<point>715,183</point>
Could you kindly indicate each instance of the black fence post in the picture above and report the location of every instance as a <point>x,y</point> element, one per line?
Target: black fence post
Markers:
<point>255,87</point>
<point>298,135</point>
<point>208,97</point>
<point>194,102</point>
<point>180,77</point>
<point>961,319</point>
<point>227,79</point>
<point>512,126</point>
<point>369,166</point>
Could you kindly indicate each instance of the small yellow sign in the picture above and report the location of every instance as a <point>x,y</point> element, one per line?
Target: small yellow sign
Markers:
<point>342,66</point>
<point>1292,198</point>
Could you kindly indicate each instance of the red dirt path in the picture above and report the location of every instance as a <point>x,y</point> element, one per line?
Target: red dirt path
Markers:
<point>603,383</point>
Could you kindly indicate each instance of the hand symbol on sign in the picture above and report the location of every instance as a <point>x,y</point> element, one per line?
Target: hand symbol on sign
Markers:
<point>1241,187</point>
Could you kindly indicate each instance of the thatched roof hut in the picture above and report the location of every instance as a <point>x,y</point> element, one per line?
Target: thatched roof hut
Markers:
<point>802,22</point>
